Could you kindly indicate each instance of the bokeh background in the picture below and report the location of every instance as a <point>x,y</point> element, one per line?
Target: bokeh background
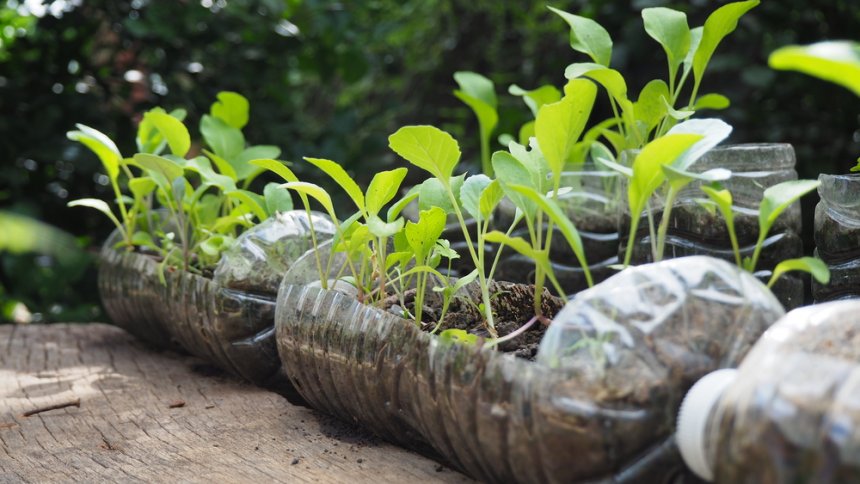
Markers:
<point>333,79</point>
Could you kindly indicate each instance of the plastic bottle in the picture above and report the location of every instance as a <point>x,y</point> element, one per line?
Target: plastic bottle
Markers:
<point>837,236</point>
<point>790,412</point>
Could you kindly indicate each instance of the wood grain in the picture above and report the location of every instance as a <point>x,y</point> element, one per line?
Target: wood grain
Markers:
<point>125,429</point>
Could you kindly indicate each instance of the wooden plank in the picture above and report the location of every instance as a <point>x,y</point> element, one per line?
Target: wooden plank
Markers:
<point>125,429</point>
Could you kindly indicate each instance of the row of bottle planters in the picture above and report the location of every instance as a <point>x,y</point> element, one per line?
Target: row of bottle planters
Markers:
<point>599,401</point>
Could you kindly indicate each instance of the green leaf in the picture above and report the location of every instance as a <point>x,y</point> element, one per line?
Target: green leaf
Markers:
<point>432,193</point>
<point>695,40</point>
<point>719,24</point>
<point>224,167</point>
<point>201,166</point>
<point>713,132</point>
<point>251,202</point>
<point>779,197</point>
<point>165,167</point>
<point>669,28</point>
<point>588,37</point>
<point>342,178</point>
<point>277,167</point>
<point>650,108</point>
<point>647,167</point>
<point>215,244</point>
<point>428,148</point>
<point>99,205</point>
<point>314,191</point>
<point>241,163</point>
<point>711,101</point>
<point>140,187</point>
<point>517,243</point>
<point>470,194</point>
<point>559,125</point>
<point>277,199</point>
<point>478,87</point>
<point>461,336</point>
<point>422,235</point>
<point>601,154</point>
<point>680,178</point>
<point>678,114</point>
<point>812,265</point>
<point>101,145</point>
<point>380,228</point>
<point>834,61</point>
<point>610,79</point>
<point>383,188</point>
<point>149,139</point>
<point>511,170</point>
<point>398,206</point>
<point>232,108</point>
<point>225,140</point>
<point>172,130</point>
<point>490,198</point>
<point>536,98</point>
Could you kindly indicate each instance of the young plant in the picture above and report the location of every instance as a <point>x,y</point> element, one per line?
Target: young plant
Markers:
<point>479,93</point>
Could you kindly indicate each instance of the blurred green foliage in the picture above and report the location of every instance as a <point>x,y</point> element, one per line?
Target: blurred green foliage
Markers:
<point>335,78</point>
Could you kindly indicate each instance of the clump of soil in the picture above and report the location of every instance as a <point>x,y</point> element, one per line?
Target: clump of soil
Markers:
<point>513,306</point>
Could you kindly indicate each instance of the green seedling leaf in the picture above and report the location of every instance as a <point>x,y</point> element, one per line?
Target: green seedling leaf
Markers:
<point>812,265</point>
<point>224,167</point>
<point>277,167</point>
<point>834,61</point>
<point>719,24</point>
<point>232,108</point>
<point>214,245</point>
<point>711,101</point>
<point>695,40</point>
<point>650,108</point>
<point>342,178</point>
<point>669,28</point>
<point>142,239</point>
<point>779,197</point>
<point>160,165</point>
<point>610,79</point>
<point>443,249</point>
<point>517,243</point>
<point>464,281</point>
<point>428,148</point>
<point>149,139</point>
<point>383,188</point>
<point>490,198</point>
<point>461,336</point>
<point>172,130</point>
<point>536,164</point>
<point>225,140</point>
<point>251,202</point>
<point>679,178</point>
<point>588,37</point>
<point>470,193</point>
<point>647,167</point>
<point>398,206</point>
<point>277,199</point>
<point>602,155</point>
<point>720,196</point>
<point>314,191</point>
<point>241,163</point>
<point>713,132</point>
<point>479,93</point>
<point>422,235</point>
<point>380,228</point>
<point>201,166</point>
<point>678,114</point>
<point>399,259</point>
<point>536,98</point>
<point>101,145</point>
<point>510,170</point>
<point>559,125</point>
<point>99,205</point>
<point>140,187</point>
<point>432,193</point>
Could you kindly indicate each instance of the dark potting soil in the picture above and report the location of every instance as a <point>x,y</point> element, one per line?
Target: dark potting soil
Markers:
<point>513,306</point>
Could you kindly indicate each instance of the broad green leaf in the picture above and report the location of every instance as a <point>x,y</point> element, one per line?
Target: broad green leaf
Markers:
<point>720,196</point>
<point>477,87</point>
<point>536,164</point>
<point>711,101</point>
<point>779,197</point>
<point>834,61</point>
<point>428,148</point>
<point>215,244</point>
<point>559,125</point>
<point>149,139</point>
<point>490,198</point>
<point>172,130</point>
<point>380,228</point>
<point>422,235</point>
<point>397,258</point>
<point>342,178</point>
<point>225,140</point>
<point>650,108</point>
<point>679,178</point>
<point>588,37</point>
<point>719,24</point>
<point>527,131</point>
<point>141,186</point>
<point>160,165</point>
<point>536,98</point>
<point>464,281</point>
<point>314,191</point>
<point>383,188</point>
<point>510,170</point>
<point>99,205</point>
<point>224,167</point>
<point>812,265</point>
<point>713,132</point>
<point>669,28</point>
<point>277,199</point>
<point>560,219</point>
<point>647,167</point>
<point>241,163</point>
<point>143,239</point>
<point>432,193</point>
<point>277,167</point>
<point>398,206</point>
<point>101,145</point>
<point>443,249</point>
<point>470,194</point>
<point>232,108</point>
<point>610,79</point>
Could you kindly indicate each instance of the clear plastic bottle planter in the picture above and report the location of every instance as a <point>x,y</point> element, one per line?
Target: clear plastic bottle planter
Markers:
<point>790,413</point>
<point>228,328</point>
<point>591,200</point>
<point>837,236</point>
<point>575,414</point>
<point>696,230</point>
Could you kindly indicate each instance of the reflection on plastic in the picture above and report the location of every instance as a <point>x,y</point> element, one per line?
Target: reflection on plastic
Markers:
<point>837,236</point>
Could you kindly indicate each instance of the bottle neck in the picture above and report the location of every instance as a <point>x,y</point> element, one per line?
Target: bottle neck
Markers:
<point>693,419</point>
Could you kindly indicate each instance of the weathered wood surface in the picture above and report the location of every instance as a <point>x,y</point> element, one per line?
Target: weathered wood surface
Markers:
<point>125,430</point>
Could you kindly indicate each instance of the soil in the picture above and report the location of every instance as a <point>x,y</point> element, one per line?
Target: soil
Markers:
<point>513,307</point>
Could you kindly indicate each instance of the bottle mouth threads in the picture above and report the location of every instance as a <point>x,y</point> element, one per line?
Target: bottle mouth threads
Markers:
<point>693,420</point>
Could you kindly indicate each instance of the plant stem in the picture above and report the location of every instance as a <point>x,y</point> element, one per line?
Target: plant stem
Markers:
<point>757,251</point>
<point>730,225</point>
<point>634,226</point>
<point>664,222</point>
<point>486,165</point>
<point>652,233</point>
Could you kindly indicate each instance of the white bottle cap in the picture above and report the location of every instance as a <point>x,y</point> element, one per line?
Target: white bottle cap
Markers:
<point>693,419</point>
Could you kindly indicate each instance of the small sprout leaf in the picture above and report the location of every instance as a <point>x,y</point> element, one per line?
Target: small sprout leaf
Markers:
<point>812,265</point>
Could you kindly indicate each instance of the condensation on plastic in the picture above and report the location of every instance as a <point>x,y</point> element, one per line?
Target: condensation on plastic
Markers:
<point>695,230</point>
<point>229,328</point>
<point>591,200</point>
<point>260,257</point>
<point>504,419</point>
<point>837,236</point>
<point>792,414</point>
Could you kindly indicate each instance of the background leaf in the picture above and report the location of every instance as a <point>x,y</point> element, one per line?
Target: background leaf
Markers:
<point>588,37</point>
<point>834,61</point>
<point>232,108</point>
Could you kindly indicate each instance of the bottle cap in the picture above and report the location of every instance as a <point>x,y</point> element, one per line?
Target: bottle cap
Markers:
<point>693,419</point>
